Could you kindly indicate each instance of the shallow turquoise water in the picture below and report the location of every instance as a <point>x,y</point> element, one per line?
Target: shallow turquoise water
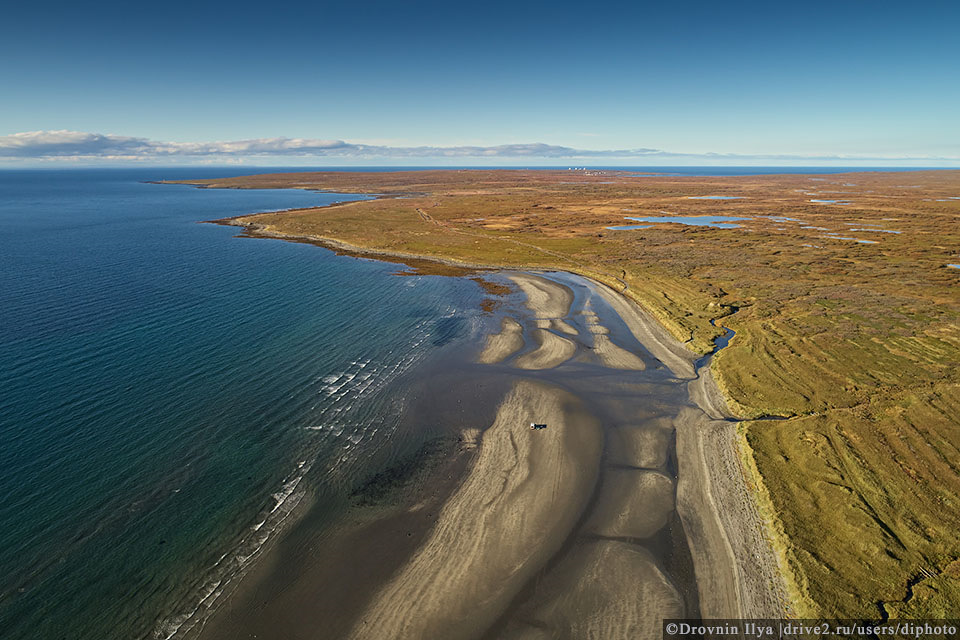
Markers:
<point>170,392</point>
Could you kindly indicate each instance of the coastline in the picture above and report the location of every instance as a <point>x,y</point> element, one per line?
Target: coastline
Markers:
<point>511,513</point>
<point>848,471</point>
<point>720,515</point>
<point>257,231</point>
<point>362,547</point>
<point>716,500</point>
<point>659,329</point>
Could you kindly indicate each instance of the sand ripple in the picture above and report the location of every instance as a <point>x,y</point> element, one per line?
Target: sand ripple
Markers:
<point>549,300</point>
<point>551,352</point>
<point>512,513</point>
<point>501,346</point>
<point>632,504</point>
<point>603,590</point>
<point>610,354</point>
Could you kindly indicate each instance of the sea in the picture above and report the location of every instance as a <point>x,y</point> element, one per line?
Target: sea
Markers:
<point>170,393</point>
<point>165,387</point>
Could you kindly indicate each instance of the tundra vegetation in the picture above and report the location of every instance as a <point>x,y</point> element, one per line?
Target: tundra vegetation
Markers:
<point>846,317</point>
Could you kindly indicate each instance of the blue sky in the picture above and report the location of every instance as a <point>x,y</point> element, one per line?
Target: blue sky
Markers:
<point>758,83</point>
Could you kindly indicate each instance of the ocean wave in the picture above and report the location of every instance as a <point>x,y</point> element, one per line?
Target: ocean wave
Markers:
<point>232,565</point>
<point>343,392</point>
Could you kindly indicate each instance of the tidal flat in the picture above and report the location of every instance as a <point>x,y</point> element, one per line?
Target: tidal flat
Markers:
<point>851,347</point>
<point>507,529</point>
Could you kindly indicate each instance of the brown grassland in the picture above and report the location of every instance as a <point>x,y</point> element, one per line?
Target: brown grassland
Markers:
<point>855,345</point>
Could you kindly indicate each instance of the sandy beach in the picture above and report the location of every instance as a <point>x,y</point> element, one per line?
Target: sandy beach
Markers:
<point>629,507</point>
<point>611,354</point>
<point>651,334</point>
<point>548,538</point>
<point>792,357</point>
<point>549,300</point>
<point>738,572</point>
<point>512,513</point>
<point>503,344</point>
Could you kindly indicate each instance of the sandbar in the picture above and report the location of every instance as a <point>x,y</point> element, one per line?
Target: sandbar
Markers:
<point>633,503</point>
<point>513,511</point>
<point>651,334</point>
<point>606,589</point>
<point>504,344</point>
<point>610,354</point>
<point>549,300</point>
<point>552,351</point>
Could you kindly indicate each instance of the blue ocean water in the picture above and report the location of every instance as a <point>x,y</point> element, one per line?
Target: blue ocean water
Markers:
<point>165,387</point>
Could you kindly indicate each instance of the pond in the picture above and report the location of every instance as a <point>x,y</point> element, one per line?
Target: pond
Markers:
<point>719,222</point>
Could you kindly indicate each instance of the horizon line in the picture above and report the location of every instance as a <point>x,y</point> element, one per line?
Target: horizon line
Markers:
<point>84,148</point>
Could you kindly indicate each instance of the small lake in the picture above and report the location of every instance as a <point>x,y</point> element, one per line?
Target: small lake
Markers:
<point>719,222</point>
<point>714,197</point>
<point>849,238</point>
<point>831,201</point>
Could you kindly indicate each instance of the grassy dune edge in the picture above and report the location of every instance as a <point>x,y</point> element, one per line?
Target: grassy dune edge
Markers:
<point>846,320</point>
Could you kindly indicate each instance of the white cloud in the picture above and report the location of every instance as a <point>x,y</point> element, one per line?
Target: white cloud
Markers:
<point>78,145</point>
<point>38,144</point>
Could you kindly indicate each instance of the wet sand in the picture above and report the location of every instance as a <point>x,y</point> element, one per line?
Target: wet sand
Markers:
<point>584,597</point>
<point>651,334</point>
<point>549,300</point>
<point>629,507</point>
<point>512,513</point>
<point>642,446</point>
<point>504,344</point>
<point>613,577</point>
<point>738,573</point>
<point>552,350</point>
<point>611,354</point>
<point>635,503</point>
